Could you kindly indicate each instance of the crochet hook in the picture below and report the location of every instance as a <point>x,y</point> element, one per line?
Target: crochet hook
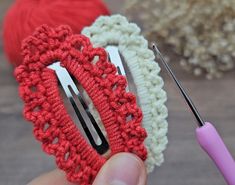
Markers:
<point>70,88</point>
<point>207,136</point>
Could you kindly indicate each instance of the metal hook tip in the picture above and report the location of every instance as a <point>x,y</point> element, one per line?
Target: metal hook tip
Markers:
<point>155,48</point>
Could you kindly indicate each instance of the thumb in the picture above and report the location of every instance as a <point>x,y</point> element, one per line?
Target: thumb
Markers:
<point>122,169</point>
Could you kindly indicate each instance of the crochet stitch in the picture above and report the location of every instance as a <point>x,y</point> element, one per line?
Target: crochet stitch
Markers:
<point>116,30</point>
<point>43,105</point>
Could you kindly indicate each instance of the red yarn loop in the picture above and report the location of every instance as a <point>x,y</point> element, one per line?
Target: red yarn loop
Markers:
<point>44,106</point>
<point>25,16</point>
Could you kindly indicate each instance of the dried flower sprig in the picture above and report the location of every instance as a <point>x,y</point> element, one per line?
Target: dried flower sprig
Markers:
<point>202,32</point>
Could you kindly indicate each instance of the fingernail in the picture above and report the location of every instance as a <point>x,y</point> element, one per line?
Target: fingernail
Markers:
<point>121,169</point>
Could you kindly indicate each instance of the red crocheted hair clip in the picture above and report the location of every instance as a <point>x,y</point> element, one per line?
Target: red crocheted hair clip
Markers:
<point>52,54</point>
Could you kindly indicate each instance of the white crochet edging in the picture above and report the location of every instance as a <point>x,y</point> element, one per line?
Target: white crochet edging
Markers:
<point>116,30</point>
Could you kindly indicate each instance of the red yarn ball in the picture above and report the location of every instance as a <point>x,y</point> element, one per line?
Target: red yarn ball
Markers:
<point>26,15</point>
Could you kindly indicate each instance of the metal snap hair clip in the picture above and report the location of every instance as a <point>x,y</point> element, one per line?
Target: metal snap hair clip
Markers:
<point>70,88</point>
<point>115,58</point>
<point>57,55</point>
<point>129,52</point>
<point>118,60</point>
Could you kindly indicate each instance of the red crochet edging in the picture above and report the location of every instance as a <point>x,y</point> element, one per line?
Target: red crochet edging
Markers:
<point>44,106</point>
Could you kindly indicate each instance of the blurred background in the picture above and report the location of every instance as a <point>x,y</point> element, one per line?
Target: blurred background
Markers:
<point>198,39</point>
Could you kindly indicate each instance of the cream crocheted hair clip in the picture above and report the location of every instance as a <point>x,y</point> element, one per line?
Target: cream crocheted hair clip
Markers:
<point>126,45</point>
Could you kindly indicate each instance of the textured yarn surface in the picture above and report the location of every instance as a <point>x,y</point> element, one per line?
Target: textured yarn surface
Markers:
<point>116,30</point>
<point>24,16</point>
<point>38,87</point>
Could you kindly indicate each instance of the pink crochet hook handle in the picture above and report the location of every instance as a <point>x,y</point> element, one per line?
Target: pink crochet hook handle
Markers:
<point>211,142</point>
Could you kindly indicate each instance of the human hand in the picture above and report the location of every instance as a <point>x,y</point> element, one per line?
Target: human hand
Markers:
<point>121,169</point>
